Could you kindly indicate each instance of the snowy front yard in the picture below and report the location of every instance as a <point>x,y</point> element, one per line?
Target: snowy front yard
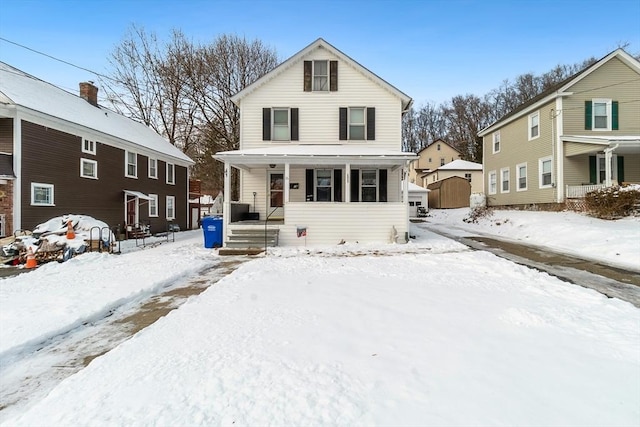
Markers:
<point>428,333</point>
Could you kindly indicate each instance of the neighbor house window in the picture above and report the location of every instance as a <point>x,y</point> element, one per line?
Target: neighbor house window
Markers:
<point>88,168</point>
<point>324,185</point>
<point>504,179</point>
<point>438,147</point>
<point>601,114</point>
<point>467,176</point>
<point>131,166</point>
<point>171,173</point>
<point>88,146</point>
<point>522,176</point>
<point>534,125</point>
<point>496,142</point>
<point>153,205</point>
<point>171,210</point>
<point>442,163</point>
<point>321,76</point>
<point>41,194</point>
<point>280,127</point>
<point>369,185</point>
<point>356,123</point>
<point>544,166</point>
<point>153,168</point>
<point>492,182</point>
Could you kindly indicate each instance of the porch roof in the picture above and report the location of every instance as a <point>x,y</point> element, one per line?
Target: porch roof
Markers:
<point>625,144</point>
<point>314,154</point>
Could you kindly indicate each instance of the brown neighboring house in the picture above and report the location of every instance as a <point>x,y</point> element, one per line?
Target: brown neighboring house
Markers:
<point>70,155</point>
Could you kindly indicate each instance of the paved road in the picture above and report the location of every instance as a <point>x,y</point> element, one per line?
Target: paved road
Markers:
<point>611,281</point>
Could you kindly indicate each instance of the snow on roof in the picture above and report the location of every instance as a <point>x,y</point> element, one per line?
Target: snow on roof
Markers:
<point>461,165</point>
<point>20,88</point>
<point>413,188</point>
<point>317,150</point>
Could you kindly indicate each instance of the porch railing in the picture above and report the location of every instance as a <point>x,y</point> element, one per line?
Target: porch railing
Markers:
<point>579,191</point>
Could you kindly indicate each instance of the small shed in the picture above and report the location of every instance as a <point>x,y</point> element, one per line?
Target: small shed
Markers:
<point>417,197</point>
<point>449,193</point>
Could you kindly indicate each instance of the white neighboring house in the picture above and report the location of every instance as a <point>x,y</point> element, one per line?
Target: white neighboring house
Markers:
<point>321,152</point>
<point>462,168</point>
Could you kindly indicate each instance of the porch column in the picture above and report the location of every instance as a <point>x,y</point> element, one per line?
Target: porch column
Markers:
<point>286,182</point>
<point>226,210</point>
<point>405,197</point>
<point>608,154</point>
<point>347,186</point>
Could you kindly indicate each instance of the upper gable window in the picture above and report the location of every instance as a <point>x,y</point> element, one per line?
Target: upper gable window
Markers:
<point>320,76</point>
<point>88,146</point>
<point>601,114</point>
<point>534,125</point>
<point>438,147</point>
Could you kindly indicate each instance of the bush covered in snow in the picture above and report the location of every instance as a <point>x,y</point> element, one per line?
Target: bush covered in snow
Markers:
<point>613,202</point>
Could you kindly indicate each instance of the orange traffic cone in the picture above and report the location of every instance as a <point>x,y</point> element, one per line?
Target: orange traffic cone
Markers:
<point>71,234</point>
<point>31,259</point>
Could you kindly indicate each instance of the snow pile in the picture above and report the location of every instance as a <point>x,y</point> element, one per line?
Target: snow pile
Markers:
<point>86,229</point>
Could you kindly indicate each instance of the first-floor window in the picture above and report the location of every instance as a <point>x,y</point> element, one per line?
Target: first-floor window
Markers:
<point>153,205</point>
<point>522,176</point>
<point>545,172</point>
<point>324,185</point>
<point>88,168</point>
<point>369,185</point>
<point>41,194</point>
<point>504,177</point>
<point>492,182</point>
<point>171,209</point>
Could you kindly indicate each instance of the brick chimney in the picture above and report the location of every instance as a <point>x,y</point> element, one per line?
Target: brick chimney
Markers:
<point>89,92</point>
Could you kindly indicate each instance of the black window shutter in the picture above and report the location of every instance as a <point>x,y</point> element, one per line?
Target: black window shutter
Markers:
<point>614,115</point>
<point>333,76</point>
<point>620,169</point>
<point>382,188</point>
<point>371,124</point>
<point>593,173</point>
<point>294,124</point>
<point>343,124</point>
<point>309,185</point>
<point>587,115</point>
<point>307,76</point>
<point>266,124</point>
<point>337,185</point>
<point>355,185</point>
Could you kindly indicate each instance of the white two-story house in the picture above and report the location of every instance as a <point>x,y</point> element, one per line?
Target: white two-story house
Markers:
<point>320,154</point>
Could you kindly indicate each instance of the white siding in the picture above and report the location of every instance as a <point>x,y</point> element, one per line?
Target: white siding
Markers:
<point>318,111</point>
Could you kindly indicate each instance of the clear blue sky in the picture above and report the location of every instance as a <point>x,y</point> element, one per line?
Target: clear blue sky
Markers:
<point>430,49</point>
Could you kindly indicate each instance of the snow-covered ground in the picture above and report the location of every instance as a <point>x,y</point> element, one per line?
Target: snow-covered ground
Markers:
<point>427,333</point>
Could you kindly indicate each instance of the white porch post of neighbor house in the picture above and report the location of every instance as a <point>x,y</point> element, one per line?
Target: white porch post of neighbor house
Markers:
<point>226,210</point>
<point>405,197</point>
<point>286,182</point>
<point>608,154</point>
<point>347,187</point>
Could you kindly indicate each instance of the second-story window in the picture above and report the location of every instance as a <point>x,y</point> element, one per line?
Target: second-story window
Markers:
<point>88,168</point>
<point>496,142</point>
<point>280,128</point>
<point>88,146</point>
<point>171,173</point>
<point>601,114</point>
<point>153,168</point>
<point>357,123</point>
<point>534,125</point>
<point>131,165</point>
<point>280,124</point>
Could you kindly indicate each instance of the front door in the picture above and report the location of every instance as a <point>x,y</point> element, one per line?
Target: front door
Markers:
<point>132,210</point>
<point>276,195</point>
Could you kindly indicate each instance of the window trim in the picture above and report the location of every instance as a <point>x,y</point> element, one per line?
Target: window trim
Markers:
<point>541,162</point>
<point>502,181</point>
<point>609,112</point>
<point>273,124</point>
<point>495,138</point>
<point>153,203</point>
<point>171,181</point>
<point>88,150</point>
<point>51,187</point>
<point>173,207</point>
<point>364,123</point>
<point>316,186</point>
<point>530,125</point>
<point>126,164</point>
<point>376,186</point>
<point>152,176</point>
<point>495,182</point>
<point>95,168</point>
<point>526,178</point>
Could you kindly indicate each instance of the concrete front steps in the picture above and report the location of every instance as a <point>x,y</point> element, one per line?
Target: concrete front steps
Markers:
<point>244,238</point>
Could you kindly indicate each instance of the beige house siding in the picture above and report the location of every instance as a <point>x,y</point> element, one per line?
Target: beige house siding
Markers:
<point>430,158</point>
<point>318,111</point>
<point>613,80</point>
<point>516,148</point>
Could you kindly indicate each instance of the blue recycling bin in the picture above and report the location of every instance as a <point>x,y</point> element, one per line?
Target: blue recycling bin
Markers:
<point>212,229</point>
